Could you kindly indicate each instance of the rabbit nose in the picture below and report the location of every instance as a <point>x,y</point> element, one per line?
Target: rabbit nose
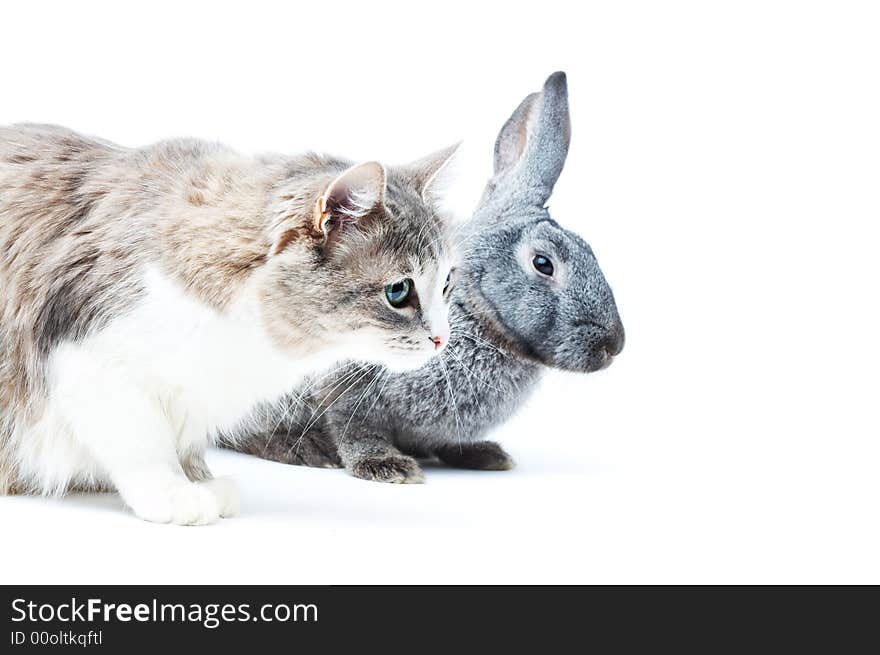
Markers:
<point>437,341</point>
<point>613,342</point>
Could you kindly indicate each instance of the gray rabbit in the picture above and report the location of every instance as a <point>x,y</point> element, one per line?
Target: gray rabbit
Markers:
<point>528,295</point>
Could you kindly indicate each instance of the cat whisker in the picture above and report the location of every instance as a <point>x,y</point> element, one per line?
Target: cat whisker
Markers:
<point>454,404</point>
<point>291,406</point>
<point>360,400</point>
<point>358,368</point>
<point>271,434</point>
<point>477,339</point>
<point>470,372</point>
<point>470,383</point>
<point>342,380</point>
<point>388,377</point>
<point>364,371</point>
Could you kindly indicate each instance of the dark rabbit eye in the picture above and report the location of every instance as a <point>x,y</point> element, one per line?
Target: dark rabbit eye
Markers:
<point>398,292</point>
<point>543,265</point>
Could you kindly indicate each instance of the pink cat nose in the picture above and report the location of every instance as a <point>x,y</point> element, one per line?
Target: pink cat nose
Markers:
<point>438,342</point>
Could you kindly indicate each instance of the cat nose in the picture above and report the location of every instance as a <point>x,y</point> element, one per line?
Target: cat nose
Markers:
<point>437,341</point>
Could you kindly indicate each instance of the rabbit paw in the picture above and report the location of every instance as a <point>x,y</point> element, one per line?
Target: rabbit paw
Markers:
<point>390,468</point>
<point>482,455</point>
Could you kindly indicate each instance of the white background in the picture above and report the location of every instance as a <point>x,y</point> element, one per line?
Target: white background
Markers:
<point>724,166</point>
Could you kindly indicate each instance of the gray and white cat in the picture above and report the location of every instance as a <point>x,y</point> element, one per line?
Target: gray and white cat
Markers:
<point>529,295</point>
<point>150,297</point>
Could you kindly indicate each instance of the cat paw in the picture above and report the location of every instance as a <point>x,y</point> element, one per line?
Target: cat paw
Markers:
<point>226,494</point>
<point>398,469</point>
<point>180,503</point>
<point>482,455</point>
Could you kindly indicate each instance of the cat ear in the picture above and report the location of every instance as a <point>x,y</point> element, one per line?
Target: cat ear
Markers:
<point>350,197</point>
<point>431,174</point>
<point>532,146</point>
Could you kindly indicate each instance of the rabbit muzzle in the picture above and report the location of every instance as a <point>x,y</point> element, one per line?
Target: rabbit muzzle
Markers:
<point>591,346</point>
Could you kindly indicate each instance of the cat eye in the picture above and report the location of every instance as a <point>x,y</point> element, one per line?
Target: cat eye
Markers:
<point>543,265</point>
<point>398,293</point>
<point>448,283</point>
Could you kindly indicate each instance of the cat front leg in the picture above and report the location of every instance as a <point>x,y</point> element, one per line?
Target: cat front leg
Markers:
<point>366,454</point>
<point>196,470</point>
<point>480,455</point>
<point>125,430</point>
<point>194,465</point>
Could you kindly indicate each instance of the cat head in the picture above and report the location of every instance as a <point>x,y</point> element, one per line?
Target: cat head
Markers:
<point>378,258</point>
<point>538,282</point>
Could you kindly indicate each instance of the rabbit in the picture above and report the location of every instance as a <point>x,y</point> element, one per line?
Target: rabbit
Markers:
<point>528,295</point>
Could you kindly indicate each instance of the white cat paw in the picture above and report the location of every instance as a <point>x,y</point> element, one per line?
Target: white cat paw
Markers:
<point>181,503</point>
<point>226,493</point>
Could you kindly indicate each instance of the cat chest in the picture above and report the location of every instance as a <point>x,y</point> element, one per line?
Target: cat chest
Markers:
<point>203,364</point>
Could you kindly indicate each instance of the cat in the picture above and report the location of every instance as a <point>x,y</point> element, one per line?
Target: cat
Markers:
<point>150,297</point>
<point>530,296</point>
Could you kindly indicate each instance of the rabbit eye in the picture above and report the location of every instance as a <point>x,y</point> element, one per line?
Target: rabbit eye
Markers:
<point>398,293</point>
<point>543,265</point>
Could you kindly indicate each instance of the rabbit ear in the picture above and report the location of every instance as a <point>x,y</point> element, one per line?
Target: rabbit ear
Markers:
<point>533,143</point>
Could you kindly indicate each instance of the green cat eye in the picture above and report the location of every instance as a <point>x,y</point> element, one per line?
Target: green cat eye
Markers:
<point>398,292</point>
